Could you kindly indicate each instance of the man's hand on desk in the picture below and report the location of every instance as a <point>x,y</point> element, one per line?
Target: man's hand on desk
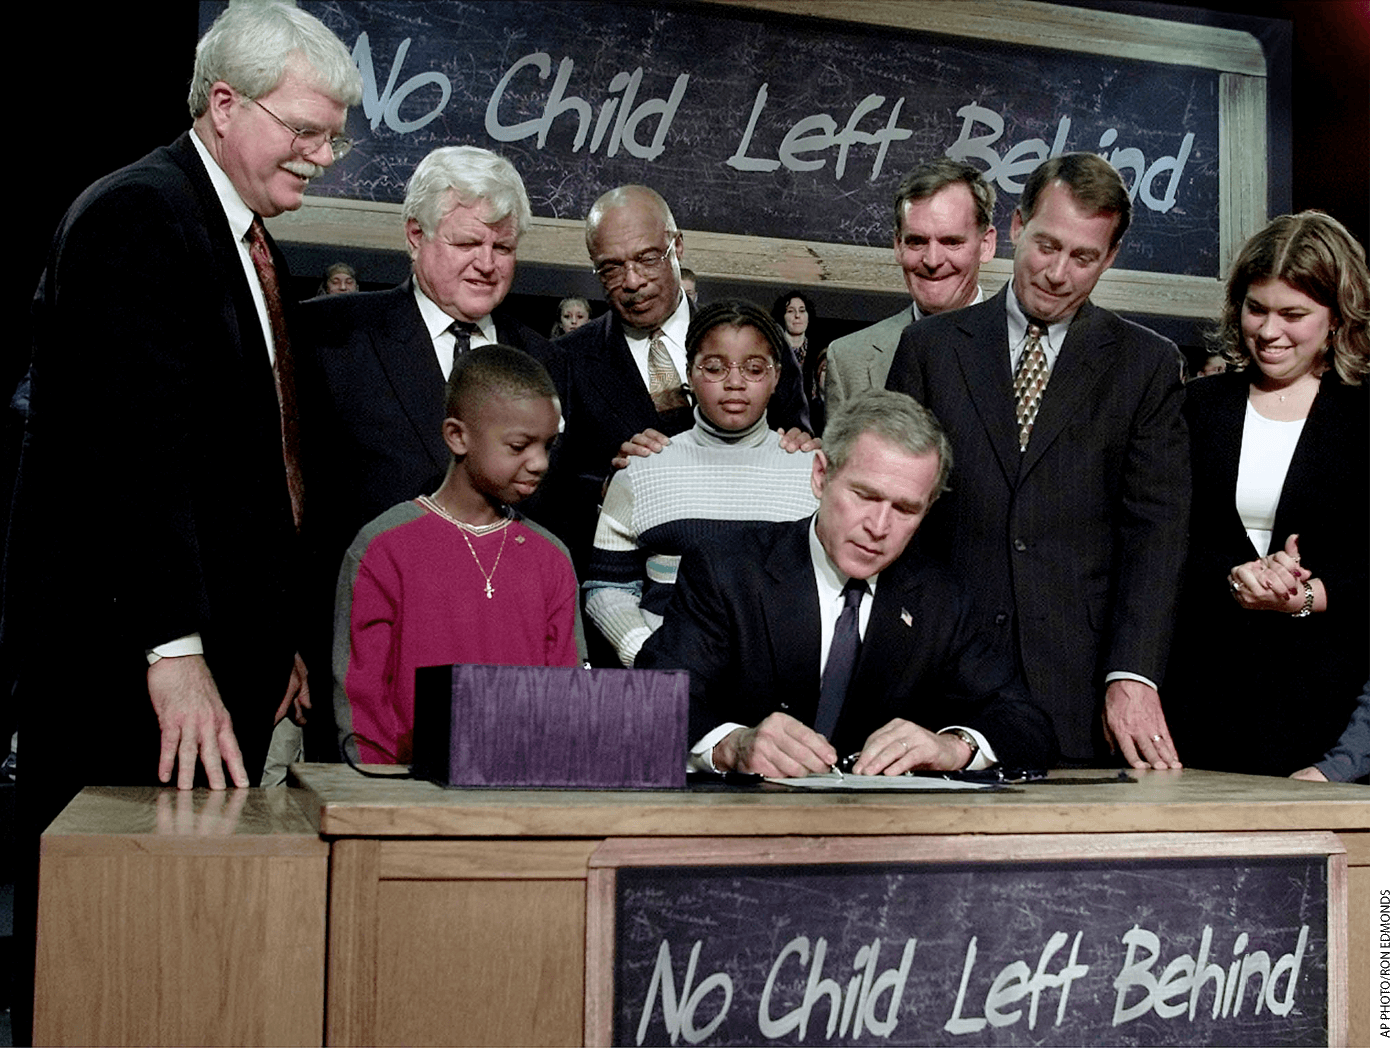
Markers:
<point>1133,723</point>
<point>902,746</point>
<point>781,747</point>
<point>194,723</point>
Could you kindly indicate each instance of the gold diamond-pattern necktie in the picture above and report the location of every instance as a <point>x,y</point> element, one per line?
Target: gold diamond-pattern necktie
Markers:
<point>282,374</point>
<point>664,381</point>
<point>1032,373</point>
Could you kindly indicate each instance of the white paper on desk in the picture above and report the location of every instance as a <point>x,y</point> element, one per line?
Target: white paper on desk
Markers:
<point>879,782</point>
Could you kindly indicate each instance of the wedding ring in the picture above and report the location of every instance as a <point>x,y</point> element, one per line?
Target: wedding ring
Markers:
<point>1156,738</point>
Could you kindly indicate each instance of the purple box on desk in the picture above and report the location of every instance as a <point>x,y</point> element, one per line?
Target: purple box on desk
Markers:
<point>550,726</point>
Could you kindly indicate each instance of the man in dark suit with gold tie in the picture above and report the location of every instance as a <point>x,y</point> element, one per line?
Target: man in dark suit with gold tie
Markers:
<point>1067,513</point>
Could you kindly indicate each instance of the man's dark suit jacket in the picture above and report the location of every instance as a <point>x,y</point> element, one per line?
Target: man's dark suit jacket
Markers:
<point>609,403</point>
<point>371,398</point>
<point>744,622</point>
<point>1073,549</point>
<point>152,497</point>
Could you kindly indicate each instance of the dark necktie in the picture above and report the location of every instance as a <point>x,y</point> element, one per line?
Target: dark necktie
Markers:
<point>462,331</point>
<point>1032,374</point>
<point>841,660</point>
<point>282,373</point>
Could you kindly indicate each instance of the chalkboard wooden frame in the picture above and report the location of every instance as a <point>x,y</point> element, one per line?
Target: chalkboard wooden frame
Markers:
<point>616,853</point>
<point>1235,55</point>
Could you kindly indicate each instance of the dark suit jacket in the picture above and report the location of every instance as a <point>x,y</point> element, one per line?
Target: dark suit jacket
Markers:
<point>744,622</point>
<point>371,395</point>
<point>1285,685</point>
<point>609,403</point>
<point>1073,549</point>
<point>152,498</point>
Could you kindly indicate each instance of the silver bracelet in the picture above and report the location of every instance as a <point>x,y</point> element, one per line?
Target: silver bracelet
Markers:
<point>1307,601</point>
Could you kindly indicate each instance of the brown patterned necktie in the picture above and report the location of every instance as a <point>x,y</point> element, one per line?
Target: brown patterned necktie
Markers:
<point>1032,374</point>
<point>282,373</point>
<point>664,381</point>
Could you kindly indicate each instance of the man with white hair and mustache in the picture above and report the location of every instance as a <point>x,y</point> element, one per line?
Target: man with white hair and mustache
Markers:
<point>150,568</point>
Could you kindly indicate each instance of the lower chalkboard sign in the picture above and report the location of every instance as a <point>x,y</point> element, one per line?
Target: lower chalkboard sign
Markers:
<point>1153,945</point>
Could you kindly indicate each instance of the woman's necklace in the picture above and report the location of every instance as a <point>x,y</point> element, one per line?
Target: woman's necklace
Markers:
<point>479,530</point>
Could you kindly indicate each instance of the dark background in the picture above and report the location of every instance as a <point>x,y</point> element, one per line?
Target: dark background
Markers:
<point>123,77</point>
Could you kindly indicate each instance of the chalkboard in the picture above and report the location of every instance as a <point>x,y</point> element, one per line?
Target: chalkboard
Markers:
<point>1094,951</point>
<point>765,125</point>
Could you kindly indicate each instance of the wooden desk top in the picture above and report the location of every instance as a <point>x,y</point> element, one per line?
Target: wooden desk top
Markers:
<point>165,820</point>
<point>352,805</point>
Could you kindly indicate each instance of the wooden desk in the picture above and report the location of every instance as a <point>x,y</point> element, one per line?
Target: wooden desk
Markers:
<point>459,917</point>
<point>170,917</point>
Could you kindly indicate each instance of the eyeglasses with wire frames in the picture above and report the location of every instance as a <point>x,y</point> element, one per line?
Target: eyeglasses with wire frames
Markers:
<point>751,369</point>
<point>306,142</point>
<point>648,263</point>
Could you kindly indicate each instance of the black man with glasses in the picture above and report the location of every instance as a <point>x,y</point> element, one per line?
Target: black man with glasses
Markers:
<point>626,367</point>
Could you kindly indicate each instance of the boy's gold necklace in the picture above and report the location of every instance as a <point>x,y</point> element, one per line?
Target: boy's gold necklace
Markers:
<point>468,530</point>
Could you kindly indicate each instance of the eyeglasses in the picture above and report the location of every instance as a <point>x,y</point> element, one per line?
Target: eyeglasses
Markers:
<point>307,142</point>
<point>648,263</point>
<point>753,369</point>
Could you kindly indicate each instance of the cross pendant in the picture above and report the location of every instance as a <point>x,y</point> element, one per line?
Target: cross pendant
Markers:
<point>489,591</point>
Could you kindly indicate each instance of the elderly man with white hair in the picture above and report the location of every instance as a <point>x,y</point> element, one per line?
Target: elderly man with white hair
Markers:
<point>373,366</point>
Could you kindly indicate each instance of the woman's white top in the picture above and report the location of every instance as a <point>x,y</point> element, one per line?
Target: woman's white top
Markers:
<point>1265,452</point>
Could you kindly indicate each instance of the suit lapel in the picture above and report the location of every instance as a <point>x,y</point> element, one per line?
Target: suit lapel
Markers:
<point>884,340</point>
<point>405,352</point>
<point>615,378</point>
<point>1088,350</point>
<point>792,620</point>
<point>241,315</point>
<point>985,361</point>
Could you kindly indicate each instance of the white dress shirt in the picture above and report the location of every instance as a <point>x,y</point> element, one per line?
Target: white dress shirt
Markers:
<point>439,325</point>
<point>831,584</point>
<point>673,330</point>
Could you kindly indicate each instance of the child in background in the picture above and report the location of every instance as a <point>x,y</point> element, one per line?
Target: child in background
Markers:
<point>457,576</point>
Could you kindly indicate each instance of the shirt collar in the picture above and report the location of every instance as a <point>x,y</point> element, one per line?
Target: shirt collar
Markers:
<point>919,314</point>
<point>437,320</point>
<point>831,580</point>
<point>240,215</point>
<point>1016,322</point>
<point>673,328</point>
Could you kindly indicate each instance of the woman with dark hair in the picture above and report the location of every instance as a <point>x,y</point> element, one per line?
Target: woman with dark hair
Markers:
<point>1271,647</point>
<point>727,470</point>
<point>794,314</point>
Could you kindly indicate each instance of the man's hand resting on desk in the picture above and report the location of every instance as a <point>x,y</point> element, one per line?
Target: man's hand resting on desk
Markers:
<point>194,723</point>
<point>781,747</point>
<point>902,746</point>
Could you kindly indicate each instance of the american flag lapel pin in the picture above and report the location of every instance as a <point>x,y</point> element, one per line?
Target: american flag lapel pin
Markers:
<point>905,617</point>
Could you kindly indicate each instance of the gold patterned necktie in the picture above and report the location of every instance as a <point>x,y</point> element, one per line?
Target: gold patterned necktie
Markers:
<point>282,373</point>
<point>1032,374</point>
<point>663,380</point>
